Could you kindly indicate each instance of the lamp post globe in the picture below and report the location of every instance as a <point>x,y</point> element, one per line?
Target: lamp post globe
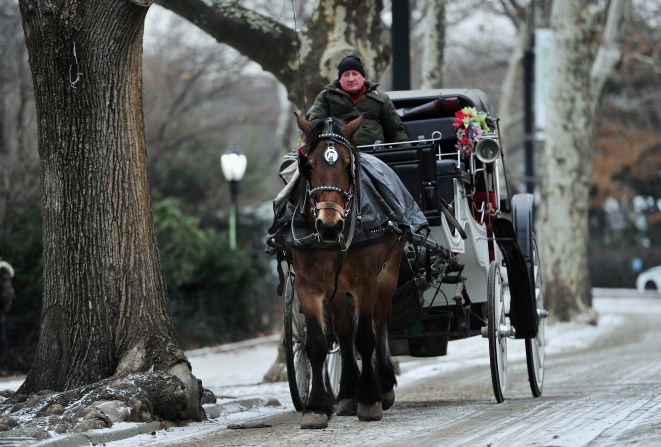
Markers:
<point>233,164</point>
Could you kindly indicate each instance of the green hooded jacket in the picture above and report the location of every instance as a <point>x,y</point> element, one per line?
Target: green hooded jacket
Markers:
<point>381,120</point>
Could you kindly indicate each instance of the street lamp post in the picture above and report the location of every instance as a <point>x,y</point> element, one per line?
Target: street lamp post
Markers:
<point>233,164</point>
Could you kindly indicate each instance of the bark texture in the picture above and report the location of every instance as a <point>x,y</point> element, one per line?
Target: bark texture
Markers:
<point>335,28</point>
<point>563,212</point>
<point>104,305</point>
<point>433,57</point>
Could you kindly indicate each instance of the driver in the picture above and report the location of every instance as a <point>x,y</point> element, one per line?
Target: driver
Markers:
<point>351,95</point>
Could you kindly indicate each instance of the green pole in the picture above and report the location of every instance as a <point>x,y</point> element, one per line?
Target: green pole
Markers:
<point>234,186</point>
<point>232,227</point>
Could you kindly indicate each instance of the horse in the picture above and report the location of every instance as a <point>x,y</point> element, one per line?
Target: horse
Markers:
<point>329,165</point>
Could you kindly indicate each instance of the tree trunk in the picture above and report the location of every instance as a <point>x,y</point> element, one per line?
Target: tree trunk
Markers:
<point>433,56</point>
<point>335,28</point>
<point>104,309</point>
<point>563,212</point>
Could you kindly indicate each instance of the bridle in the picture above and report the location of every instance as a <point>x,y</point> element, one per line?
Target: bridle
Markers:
<point>331,135</point>
<point>330,157</point>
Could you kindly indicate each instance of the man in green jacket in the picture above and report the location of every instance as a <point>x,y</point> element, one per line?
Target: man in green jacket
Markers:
<point>351,95</point>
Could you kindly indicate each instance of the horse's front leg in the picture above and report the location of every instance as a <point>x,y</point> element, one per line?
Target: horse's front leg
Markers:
<point>369,386</point>
<point>319,406</point>
<point>343,326</point>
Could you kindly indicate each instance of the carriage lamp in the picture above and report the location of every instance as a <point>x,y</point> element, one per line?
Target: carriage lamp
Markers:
<point>233,164</point>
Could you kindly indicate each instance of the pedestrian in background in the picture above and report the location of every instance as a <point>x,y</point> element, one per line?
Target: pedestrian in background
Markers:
<point>6,299</point>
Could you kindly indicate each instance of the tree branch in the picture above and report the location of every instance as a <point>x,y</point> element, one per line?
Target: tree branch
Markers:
<point>511,14</point>
<point>610,50</point>
<point>646,60</point>
<point>262,39</point>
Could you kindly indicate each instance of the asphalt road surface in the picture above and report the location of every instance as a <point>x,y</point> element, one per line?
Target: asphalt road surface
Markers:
<point>604,394</point>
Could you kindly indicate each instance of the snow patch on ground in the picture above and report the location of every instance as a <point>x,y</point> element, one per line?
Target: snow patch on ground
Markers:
<point>11,383</point>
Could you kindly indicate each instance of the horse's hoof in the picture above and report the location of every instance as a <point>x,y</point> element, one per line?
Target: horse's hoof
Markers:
<point>388,399</point>
<point>372,412</point>
<point>314,420</point>
<point>346,407</point>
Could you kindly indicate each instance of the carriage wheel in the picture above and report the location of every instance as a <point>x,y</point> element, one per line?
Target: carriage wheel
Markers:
<point>535,346</point>
<point>299,370</point>
<point>497,331</point>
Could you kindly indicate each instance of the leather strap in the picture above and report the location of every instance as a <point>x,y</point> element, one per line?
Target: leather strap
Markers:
<point>330,206</point>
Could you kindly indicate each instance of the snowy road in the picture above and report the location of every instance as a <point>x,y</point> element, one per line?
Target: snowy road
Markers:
<point>602,387</point>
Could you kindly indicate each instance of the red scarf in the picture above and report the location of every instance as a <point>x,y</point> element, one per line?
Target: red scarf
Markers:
<point>355,98</point>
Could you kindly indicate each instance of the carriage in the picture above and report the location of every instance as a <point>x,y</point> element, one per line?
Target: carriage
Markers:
<point>476,272</point>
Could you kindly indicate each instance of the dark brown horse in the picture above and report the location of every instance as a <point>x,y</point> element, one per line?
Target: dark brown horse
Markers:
<point>368,273</point>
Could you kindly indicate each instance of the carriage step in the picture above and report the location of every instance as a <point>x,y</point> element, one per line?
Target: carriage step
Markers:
<point>505,330</point>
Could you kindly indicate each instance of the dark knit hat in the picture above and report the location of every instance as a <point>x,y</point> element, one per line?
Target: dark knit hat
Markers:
<point>350,63</point>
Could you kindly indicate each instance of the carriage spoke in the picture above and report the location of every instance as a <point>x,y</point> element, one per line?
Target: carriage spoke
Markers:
<point>333,369</point>
<point>303,375</point>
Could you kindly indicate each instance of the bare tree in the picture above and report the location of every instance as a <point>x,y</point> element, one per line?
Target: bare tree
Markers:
<point>184,83</point>
<point>18,152</point>
<point>576,82</point>
<point>104,312</point>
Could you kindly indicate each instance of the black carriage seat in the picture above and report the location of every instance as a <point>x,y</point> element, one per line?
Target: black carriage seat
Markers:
<point>415,167</point>
<point>425,111</point>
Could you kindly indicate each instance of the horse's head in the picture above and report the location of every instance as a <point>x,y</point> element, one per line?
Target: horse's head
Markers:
<point>329,167</point>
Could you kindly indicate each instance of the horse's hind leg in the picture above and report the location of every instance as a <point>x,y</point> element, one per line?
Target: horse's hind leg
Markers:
<point>344,332</point>
<point>387,284</point>
<point>319,407</point>
<point>385,368</point>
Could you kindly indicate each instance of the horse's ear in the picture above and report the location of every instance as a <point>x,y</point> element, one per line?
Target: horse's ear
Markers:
<point>352,127</point>
<point>303,124</point>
